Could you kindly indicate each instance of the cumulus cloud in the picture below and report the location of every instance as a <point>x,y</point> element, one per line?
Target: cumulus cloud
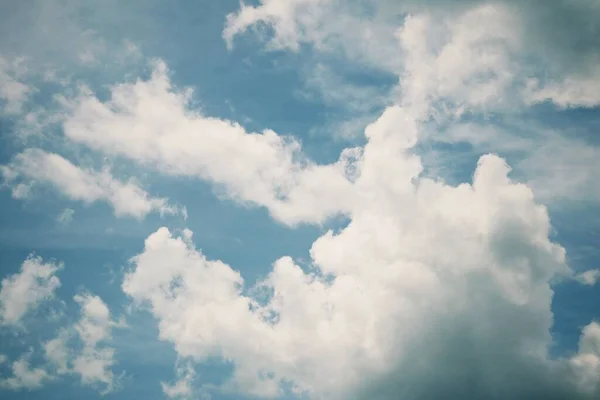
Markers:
<point>571,92</point>
<point>587,361</point>
<point>89,357</point>
<point>544,32</point>
<point>429,289</point>
<point>57,352</point>
<point>560,168</point>
<point>589,278</point>
<point>66,216</point>
<point>182,388</point>
<point>82,350</point>
<point>14,92</point>
<point>464,60</point>
<point>287,18</point>
<point>94,359</point>
<point>24,291</point>
<point>150,122</point>
<point>25,377</point>
<point>34,166</point>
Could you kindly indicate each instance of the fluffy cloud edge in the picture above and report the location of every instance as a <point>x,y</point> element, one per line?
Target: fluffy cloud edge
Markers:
<point>36,166</point>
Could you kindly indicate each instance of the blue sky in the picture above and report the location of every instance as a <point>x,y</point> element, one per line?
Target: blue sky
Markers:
<point>289,199</point>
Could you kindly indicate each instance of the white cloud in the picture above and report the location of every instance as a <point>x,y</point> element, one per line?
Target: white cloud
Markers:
<point>34,166</point>
<point>587,361</point>
<point>464,61</point>
<point>560,167</point>
<point>57,352</point>
<point>432,286</point>
<point>24,291</point>
<point>450,63</point>
<point>13,91</point>
<point>66,216</point>
<point>465,43</point>
<point>330,27</point>
<point>95,360</point>
<point>182,388</point>
<point>25,377</point>
<point>288,18</point>
<point>589,277</point>
<point>431,290</point>
<point>572,91</point>
<point>150,122</point>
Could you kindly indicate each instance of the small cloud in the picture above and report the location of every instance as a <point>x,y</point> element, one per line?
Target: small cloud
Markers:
<point>57,352</point>
<point>37,167</point>
<point>588,278</point>
<point>182,388</point>
<point>25,377</point>
<point>13,92</point>
<point>25,291</point>
<point>93,361</point>
<point>65,217</point>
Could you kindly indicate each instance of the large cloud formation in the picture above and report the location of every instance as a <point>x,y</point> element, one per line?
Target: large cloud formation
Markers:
<point>430,290</point>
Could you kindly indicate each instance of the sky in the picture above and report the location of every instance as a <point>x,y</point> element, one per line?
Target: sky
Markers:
<point>300,199</point>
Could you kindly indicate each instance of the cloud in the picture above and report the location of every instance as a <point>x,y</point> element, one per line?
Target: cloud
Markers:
<point>66,216</point>
<point>59,38</point>
<point>430,290</point>
<point>458,63</point>
<point>94,361</point>
<point>351,30</point>
<point>361,31</point>
<point>25,377</point>
<point>587,361</point>
<point>560,166</point>
<point>34,166</point>
<point>24,291</point>
<point>288,19</point>
<point>13,91</point>
<point>57,352</point>
<point>589,277</point>
<point>182,388</point>
<point>571,92</point>
<point>150,122</point>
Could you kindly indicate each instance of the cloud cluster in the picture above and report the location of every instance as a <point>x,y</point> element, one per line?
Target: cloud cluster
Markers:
<point>78,350</point>
<point>95,360</point>
<point>545,34</point>
<point>431,290</point>
<point>13,91</point>
<point>182,388</point>
<point>441,289</point>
